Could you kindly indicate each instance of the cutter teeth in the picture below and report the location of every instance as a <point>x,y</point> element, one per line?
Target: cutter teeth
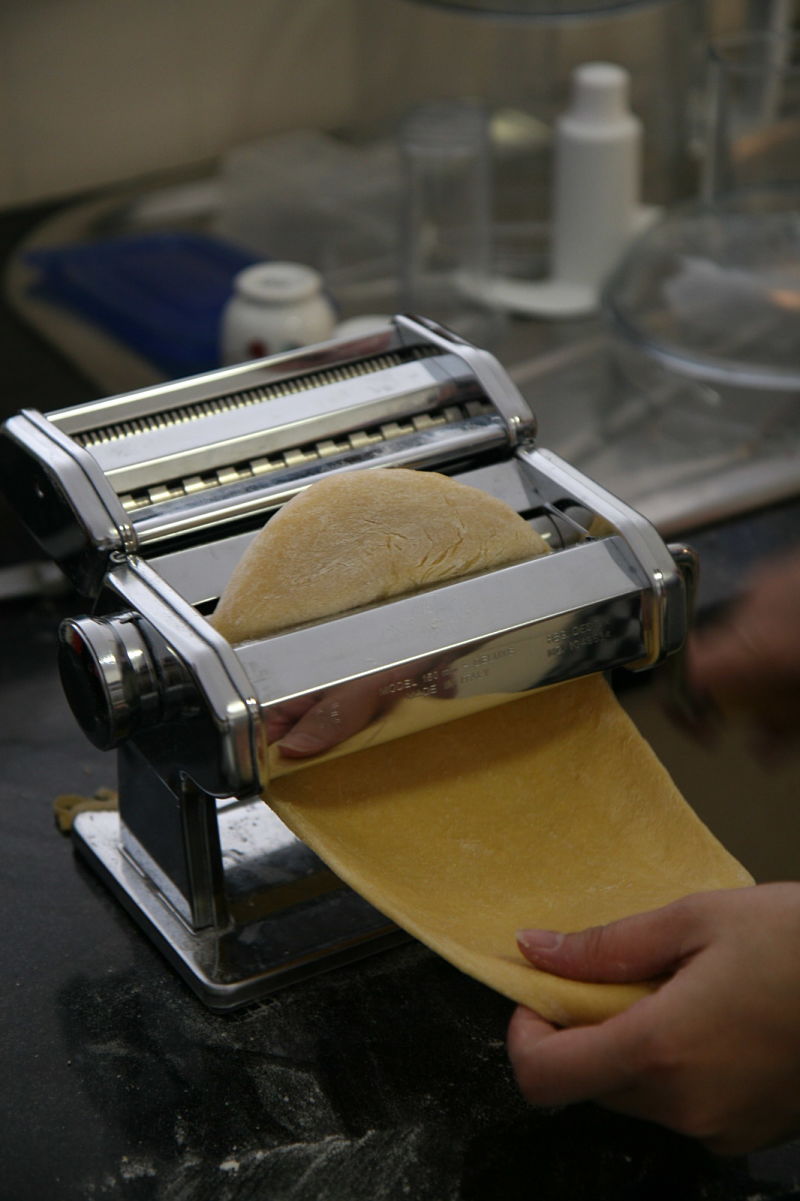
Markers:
<point>297,456</point>
<point>240,400</point>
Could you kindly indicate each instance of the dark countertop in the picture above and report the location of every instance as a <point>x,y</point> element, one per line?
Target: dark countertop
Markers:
<point>385,1079</point>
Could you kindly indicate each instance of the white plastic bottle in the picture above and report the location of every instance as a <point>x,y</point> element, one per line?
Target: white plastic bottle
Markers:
<point>275,306</point>
<point>596,197</point>
<point>597,169</point>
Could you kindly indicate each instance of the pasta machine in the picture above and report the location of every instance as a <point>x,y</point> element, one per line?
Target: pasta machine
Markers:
<point>147,500</point>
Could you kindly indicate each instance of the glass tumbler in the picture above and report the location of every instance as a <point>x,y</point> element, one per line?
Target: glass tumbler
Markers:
<point>445,218</point>
<point>753,114</point>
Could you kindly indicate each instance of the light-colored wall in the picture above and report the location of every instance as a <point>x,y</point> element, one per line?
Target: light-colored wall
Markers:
<point>527,65</point>
<point>407,52</point>
<point>94,92</point>
<point>98,91</point>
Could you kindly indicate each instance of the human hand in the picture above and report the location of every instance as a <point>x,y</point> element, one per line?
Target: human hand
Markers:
<point>314,724</point>
<point>317,723</point>
<point>750,660</point>
<point>714,1053</point>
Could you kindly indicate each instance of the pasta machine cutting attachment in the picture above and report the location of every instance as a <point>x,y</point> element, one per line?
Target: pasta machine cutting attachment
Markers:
<point>147,501</point>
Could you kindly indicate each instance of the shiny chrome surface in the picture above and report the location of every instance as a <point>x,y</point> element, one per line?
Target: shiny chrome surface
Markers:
<point>150,499</point>
<point>201,671</point>
<point>489,638</point>
<point>64,498</point>
<point>260,494</point>
<point>684,700</point>
<point>163,465</point>
<point>200,389</point>
<point>663,596</point>
<point>494,381</point>
<point>586,607</point>
<point>110,678</point>
<point>200,572</point>
<point>268,421</point>
<point>276,935</point>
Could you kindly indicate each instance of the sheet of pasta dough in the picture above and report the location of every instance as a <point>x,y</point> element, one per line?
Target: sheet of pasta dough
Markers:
<point>549,811</point>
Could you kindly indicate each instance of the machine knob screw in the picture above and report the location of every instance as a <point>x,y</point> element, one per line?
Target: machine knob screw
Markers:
<point>109,676</point>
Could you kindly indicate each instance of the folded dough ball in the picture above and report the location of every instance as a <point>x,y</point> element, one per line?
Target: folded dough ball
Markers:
<point>363,536</point>
<point>548,811</point>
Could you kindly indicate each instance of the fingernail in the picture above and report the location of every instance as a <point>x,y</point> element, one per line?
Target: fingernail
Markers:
<point>539,940</point>
<point>299,743</point>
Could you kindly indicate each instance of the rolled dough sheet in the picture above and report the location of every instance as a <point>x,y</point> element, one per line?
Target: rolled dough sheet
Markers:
<point>549,811</point>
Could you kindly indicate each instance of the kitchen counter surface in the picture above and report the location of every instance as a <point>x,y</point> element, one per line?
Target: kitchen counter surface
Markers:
<point>385,1079</point>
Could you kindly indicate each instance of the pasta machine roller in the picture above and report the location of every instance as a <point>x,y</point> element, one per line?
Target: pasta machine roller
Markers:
<point>147,500</point>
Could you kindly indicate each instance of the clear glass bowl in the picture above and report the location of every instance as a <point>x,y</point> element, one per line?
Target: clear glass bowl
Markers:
<point>546,9</point>
<point>713,292</point>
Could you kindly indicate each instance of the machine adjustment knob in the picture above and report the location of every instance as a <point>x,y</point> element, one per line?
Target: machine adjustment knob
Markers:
<point>109,676</point>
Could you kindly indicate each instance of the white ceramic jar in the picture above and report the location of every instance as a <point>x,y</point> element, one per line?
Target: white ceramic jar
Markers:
<point>275,306</point>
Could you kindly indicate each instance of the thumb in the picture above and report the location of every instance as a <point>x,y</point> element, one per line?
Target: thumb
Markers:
<point>338,715</point>
<point>635,948</point>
